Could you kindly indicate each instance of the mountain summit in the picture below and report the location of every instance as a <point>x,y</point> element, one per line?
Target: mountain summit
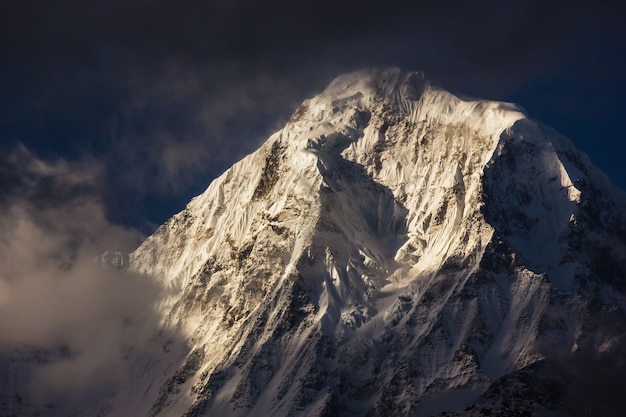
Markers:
<point>394,250</point>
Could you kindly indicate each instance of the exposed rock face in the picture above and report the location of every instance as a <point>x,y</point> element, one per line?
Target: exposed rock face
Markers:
<point>393,250</point>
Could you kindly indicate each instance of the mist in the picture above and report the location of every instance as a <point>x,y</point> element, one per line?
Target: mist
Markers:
<point>69,324</point>
<point>593,369</point>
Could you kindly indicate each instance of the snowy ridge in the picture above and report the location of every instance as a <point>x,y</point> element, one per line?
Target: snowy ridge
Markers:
<point>393,250</point>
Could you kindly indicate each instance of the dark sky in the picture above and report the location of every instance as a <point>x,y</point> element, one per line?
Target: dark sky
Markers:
<point>147,101</point>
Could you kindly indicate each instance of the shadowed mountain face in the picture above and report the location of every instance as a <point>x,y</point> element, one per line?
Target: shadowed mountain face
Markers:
<point>393,250</point>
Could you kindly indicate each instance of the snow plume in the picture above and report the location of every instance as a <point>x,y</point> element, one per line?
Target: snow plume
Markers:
<point>67,324</point>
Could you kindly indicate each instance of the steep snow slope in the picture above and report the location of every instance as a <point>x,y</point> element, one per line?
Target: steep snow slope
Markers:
<point>393,250</point>
<point>391,245</point>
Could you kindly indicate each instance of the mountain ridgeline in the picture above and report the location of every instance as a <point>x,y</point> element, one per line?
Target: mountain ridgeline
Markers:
<point>394,250</point>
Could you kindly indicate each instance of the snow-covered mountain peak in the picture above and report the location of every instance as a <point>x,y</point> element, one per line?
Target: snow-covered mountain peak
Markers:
<point>393,250</point>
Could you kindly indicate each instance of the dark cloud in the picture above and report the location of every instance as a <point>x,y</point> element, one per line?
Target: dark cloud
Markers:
<point>187,119</point>
<point>282,34</point>
<point>61,197</point>
<point>452,39</point>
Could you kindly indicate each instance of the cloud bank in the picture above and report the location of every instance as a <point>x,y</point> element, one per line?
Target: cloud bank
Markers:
<point>68,326</point>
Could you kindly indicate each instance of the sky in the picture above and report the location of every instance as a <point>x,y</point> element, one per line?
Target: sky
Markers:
<point>157,98</point>
<point>114,114</point>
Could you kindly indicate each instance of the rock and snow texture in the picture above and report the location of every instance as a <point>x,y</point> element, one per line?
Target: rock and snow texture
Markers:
<point>392,251</point>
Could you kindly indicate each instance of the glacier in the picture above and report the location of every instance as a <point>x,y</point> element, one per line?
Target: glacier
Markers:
<point>393,250</point>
